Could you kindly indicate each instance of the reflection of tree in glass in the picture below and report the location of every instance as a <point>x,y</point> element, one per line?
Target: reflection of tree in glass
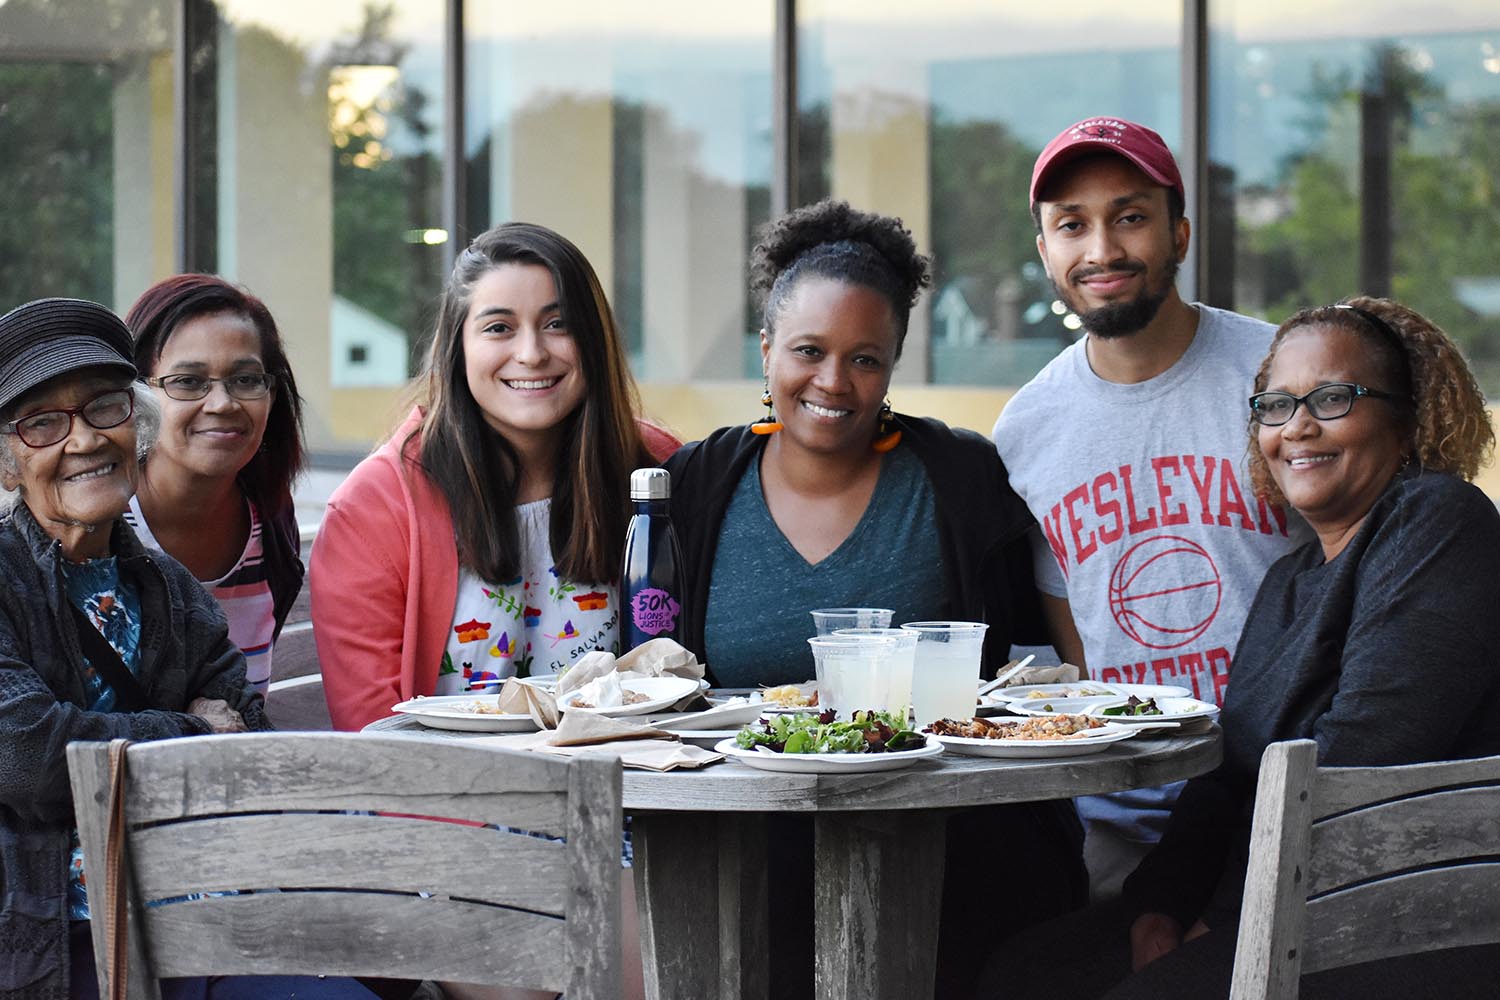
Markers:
<point>983,239</point>
<point>56,182</point>
<point>385,195</point>
<point>1302,238</point>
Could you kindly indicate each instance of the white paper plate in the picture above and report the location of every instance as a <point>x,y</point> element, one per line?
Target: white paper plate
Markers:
<point>828,763</point>
<point>707,738</point>
<point>660,692</point>
<point>1025,692</point>
<point>717,718</point>
<point>1074,747</point>
<point>1172,710</point>
<point>1144,691</point>
<point>1060,706</point>
<point>456,712</point>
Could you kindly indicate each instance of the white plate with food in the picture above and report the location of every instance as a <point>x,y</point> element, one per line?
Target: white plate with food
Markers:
<point>473,713</point>
<point>1061,706</point>
<point>1167,710</point>
<point>790,697</point>
<point>637,696</point>
<point>1144,691</point>
<point>1038,736</point>
<point>828,763</point>
<point>1075,689</point>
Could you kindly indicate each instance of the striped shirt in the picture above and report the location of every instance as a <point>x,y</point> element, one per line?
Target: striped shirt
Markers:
<point>243,593</point>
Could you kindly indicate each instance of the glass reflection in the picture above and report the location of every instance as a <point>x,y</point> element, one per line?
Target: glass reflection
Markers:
<point>1357,155</point>
<point>937,114</point>
<point>647,141</point>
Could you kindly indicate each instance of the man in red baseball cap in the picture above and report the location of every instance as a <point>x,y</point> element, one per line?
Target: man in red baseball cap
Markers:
<point>1129,448</point>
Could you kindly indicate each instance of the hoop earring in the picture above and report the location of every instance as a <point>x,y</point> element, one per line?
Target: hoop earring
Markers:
<point>886,435</point>
<point>767,424</point>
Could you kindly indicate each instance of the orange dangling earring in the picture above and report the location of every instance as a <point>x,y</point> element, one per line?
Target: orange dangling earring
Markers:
<point>767,424</point>
<point>886,436</point>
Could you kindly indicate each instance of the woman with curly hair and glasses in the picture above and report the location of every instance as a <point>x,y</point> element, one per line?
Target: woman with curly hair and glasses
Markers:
<point>216,489</point>
<point>1366,420</point>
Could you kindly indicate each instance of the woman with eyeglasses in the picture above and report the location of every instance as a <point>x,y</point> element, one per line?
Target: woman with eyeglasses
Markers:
<point>99,639</point>
<point>1379,639</point>
<point>215,490</point>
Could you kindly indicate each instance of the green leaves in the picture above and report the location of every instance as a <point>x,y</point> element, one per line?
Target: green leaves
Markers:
<point>867,732</point>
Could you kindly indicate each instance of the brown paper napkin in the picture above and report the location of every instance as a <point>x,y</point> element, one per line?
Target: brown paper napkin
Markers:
<point>655,658</point>
<point>518,698</point>
<point>1066,673</point>
<point>636,745</point>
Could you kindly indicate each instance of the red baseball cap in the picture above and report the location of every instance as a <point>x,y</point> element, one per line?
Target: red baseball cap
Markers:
<point>1137,143</point>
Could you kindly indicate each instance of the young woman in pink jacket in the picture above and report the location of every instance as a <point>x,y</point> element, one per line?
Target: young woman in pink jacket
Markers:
<point>484,538</point>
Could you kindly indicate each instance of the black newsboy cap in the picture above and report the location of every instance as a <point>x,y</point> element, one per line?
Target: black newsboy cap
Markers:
<point>50,337</point>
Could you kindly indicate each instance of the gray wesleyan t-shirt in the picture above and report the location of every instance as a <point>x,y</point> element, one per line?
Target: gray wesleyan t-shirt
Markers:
<point>1143,494</point>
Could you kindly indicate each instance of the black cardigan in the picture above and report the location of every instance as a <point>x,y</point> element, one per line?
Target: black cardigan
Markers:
<point>982,524</point>
<point>1387,654</point>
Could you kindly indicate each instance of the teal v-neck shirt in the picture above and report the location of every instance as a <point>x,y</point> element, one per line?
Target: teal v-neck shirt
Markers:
<point>757,625</point>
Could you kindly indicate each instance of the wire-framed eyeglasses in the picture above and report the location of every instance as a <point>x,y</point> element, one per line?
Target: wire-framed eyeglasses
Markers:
<point>185,387</point>
<point>47,427</point>
<point>1328,401</point>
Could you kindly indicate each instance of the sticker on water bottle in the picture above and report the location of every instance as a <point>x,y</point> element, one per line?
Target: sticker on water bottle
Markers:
<point>654,611</point>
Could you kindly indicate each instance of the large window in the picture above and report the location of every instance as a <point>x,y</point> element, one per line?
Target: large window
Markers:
<point>318,183</point>
<point>1356,152</point>
<point>644,135</point>
<point>86,148</point>
<point>936,112</point>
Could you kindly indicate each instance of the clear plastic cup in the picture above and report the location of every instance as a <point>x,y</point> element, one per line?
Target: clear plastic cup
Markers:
<point>854,672</point>
<point>945,674</point>
<point>901,671</point>
<point>829,620</point>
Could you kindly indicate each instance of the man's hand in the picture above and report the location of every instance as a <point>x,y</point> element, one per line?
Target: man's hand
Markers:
<point>1152,936</point>
<point>219,716</point>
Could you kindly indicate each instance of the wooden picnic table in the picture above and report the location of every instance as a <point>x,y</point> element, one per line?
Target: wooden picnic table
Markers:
<point>702,883</point>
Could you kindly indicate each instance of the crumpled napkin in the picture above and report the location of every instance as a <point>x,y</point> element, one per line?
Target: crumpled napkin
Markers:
<point>637,745</point>
<point>655,658</point>
<point>1065,673</point>
<point>519,698</point>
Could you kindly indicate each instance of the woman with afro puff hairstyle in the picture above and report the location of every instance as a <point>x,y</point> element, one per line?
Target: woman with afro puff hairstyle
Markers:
<point>835,500</point>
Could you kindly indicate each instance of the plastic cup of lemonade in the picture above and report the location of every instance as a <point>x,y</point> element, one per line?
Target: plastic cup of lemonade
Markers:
<point>854,672</point>
<point>829,620</point>
<point>899,698</point>
<point>945,674</point>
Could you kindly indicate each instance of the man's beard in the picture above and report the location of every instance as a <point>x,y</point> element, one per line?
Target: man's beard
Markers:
<point>1121,319</point>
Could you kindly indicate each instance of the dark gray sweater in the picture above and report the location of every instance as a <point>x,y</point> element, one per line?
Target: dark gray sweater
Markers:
<point>1387,654</point>
<point>184,653</point>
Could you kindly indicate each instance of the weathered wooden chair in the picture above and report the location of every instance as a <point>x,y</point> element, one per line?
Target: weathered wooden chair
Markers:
<point>1353,864</point>
<point>342,856</point>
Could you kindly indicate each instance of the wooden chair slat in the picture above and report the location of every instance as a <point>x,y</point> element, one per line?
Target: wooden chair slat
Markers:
<point>364,934</point>
<point>1408,833</point>
<point>1451,907</point>
<point>315,850</point>
<point>266,772</point>
<point>1344,788</point>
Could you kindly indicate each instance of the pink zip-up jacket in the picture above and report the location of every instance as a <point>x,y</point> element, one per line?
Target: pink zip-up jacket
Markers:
<point>384,579</point>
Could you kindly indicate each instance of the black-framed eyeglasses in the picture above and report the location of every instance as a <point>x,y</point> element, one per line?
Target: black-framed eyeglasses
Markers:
<point>246,385</point>
<point>47,427</point>
<point>1328,401</point>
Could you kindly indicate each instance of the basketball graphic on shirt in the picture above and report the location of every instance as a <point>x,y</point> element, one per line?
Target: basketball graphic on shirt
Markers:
<point>1165,591</point>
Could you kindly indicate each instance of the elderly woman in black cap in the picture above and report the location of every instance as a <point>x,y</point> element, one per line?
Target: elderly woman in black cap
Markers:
<point>98,640</point>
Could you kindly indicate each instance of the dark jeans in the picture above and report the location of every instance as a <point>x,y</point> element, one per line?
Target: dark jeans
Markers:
<point>85,984</point>
<point>1086,955</point>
